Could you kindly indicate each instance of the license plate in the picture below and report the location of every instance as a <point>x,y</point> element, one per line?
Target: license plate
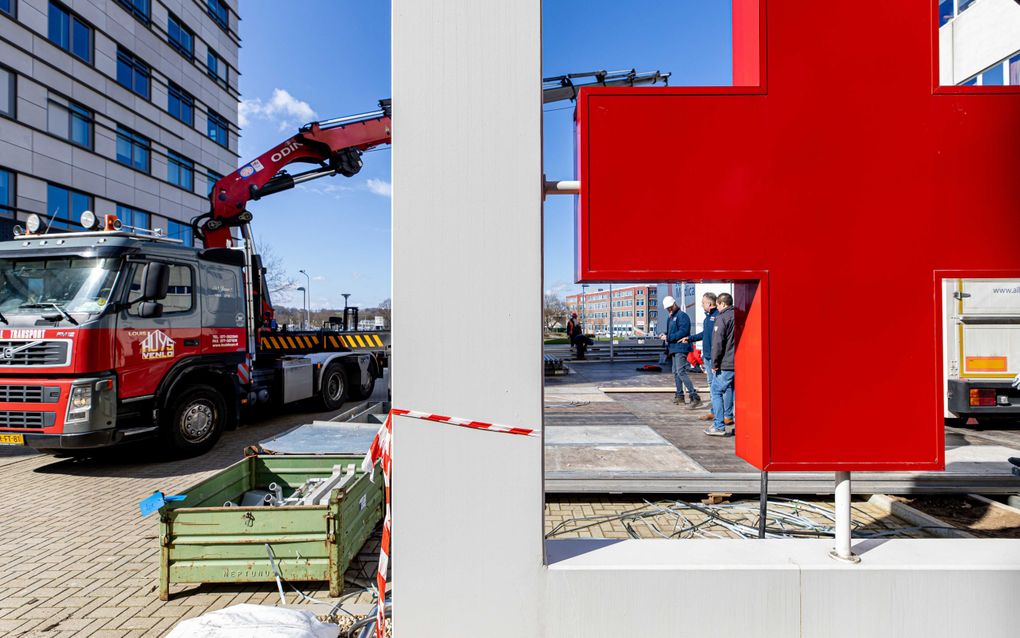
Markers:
<point>12,439</point>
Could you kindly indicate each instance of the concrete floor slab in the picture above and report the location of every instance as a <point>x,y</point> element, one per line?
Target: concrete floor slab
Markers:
<point>980,459</point>
<point>602,435</point>
<point>618,458</point>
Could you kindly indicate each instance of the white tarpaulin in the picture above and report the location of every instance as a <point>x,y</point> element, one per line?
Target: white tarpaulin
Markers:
<point>254,621</point>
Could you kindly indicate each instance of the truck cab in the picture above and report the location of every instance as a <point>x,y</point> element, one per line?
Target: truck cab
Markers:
<point>110,336</point>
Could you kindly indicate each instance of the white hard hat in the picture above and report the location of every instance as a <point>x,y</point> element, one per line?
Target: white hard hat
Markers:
<point>668,302</point>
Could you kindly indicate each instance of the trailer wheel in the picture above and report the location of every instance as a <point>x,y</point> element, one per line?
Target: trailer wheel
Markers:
<point>195,420</point>
<point>334,387</point>
<point>364,390</point>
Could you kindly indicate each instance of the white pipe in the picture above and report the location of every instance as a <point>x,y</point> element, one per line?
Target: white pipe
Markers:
<point>842,550</point>
<point>567,187</point>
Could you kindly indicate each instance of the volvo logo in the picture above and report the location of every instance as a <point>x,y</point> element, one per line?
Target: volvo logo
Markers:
<point>8,353</point>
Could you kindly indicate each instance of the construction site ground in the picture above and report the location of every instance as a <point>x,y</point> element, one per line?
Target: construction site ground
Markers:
<point>76,558</point>
<point>610,428</point>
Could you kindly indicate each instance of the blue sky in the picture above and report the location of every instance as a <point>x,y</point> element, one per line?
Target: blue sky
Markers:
<point>295,69</point>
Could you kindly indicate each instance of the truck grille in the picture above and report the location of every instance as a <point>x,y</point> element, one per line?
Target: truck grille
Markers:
<point>34,353</point>
<point>26,420</point>
<point>29,394</point>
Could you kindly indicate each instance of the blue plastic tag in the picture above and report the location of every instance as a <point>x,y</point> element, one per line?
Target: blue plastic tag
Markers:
<point>156,502</point>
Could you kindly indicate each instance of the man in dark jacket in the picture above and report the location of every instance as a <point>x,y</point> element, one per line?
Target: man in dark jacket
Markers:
<point>575,333</point>
<point>724,348</point>
<point>677,334</point>
<point>708,305</point>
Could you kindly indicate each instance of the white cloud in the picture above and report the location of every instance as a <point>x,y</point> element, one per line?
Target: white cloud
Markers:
<point>283,108</point>
<point>379,187</point>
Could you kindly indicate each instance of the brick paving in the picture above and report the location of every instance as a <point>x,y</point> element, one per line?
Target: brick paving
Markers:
<point>76,558</point>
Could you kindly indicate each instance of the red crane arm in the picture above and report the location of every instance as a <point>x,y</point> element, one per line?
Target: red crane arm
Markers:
<point>334,145</point>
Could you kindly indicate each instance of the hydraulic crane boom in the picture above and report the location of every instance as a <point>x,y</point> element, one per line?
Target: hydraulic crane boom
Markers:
<point>336,147</point>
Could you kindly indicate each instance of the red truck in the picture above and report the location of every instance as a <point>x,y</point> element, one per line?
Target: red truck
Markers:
<point>114,334</point>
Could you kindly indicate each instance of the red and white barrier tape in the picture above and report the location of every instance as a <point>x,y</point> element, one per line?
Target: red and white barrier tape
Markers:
<point>382,450</point>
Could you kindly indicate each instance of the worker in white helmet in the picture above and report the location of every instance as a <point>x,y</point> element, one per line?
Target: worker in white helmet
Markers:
<point>677,335</point>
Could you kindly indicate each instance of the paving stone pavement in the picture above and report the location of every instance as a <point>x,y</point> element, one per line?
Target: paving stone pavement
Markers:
<point>76,558</point>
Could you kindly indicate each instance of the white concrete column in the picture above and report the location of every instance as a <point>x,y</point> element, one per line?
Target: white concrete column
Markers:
<point>467,308</point>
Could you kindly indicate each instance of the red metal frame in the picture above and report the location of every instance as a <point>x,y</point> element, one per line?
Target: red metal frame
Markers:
<point>836,192</point>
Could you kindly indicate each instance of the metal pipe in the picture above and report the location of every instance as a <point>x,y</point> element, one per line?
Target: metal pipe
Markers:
<point>763,504</point>
<point>336,121</point>
<point>842,550</point>
<point>563,187</point>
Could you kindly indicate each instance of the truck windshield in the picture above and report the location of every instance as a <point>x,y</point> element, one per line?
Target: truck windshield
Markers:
<point>74,284</point>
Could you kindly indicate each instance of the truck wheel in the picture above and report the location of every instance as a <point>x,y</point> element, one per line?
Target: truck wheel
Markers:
<point>334,387</point>
<point>195,420</point>
<point>364,390</point>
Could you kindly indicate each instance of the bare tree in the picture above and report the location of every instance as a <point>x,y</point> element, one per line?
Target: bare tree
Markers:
<point>554,310</point>
<point>386,310</point>
<point>277,279</point>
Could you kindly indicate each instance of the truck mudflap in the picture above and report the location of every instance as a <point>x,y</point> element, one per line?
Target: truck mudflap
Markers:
<point>992,398</point>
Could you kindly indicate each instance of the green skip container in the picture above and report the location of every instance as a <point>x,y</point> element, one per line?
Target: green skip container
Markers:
<point>203,541</point>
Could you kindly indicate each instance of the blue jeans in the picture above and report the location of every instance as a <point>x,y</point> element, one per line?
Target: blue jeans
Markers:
<point>709,375</point>
<point>722,398</point>
<point>680,369</point>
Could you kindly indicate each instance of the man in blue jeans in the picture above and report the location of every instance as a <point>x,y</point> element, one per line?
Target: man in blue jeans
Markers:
<point>705,336</point>
<point>677,334</point>
<point>724,348</point>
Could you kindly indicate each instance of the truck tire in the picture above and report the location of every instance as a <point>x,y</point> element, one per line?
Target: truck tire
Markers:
<point>335,387</point>
<point>194,420</point>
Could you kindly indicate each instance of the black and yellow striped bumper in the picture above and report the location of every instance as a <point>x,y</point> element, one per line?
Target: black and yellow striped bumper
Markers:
<point>322,342</point>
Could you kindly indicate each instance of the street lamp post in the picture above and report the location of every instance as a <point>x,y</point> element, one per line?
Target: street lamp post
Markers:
<point>612,334</point>
<point>308,294</point>
<point>345,295</point>
<point>304,294</point>
<point>584,288</point>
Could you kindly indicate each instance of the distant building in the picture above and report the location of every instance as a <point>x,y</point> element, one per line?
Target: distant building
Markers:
<point>979,42</point>
<point>633,307</point>
<point>125,107</point>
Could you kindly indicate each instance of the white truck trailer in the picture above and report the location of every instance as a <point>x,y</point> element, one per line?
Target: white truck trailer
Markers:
<point>981,348</point>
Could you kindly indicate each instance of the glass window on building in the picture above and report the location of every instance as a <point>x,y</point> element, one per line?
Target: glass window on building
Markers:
<point>212,177</point>
<point>10,7</point>
<point>72,122</point>
<point>1014,70</point>
<point>132,73</point>
<point>180,37</point>
<point>180,104</point>
<point>177,230</point>
<point>180,171</point>
<point>963,5</point>
<point>217,68</point>
<point>65,206</point>
<point>218,128</point>
<point>69,32</point>
<point>138,8</point>
<point>218,12</point>
<point>993,76</point>
<point>132,149</point>
<point>945,11</point>
<point>8,92</point>
<point>133,218</point>
<point>7,205</point>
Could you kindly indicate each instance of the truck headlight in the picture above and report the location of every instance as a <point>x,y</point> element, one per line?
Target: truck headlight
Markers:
<point>79,406</point>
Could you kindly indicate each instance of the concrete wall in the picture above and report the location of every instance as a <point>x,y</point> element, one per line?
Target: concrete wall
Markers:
<point>45,73</point>
<point>467,546</point>
<point>986,33</point>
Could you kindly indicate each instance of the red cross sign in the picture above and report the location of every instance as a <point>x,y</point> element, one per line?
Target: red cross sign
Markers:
<point>838,185</point>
